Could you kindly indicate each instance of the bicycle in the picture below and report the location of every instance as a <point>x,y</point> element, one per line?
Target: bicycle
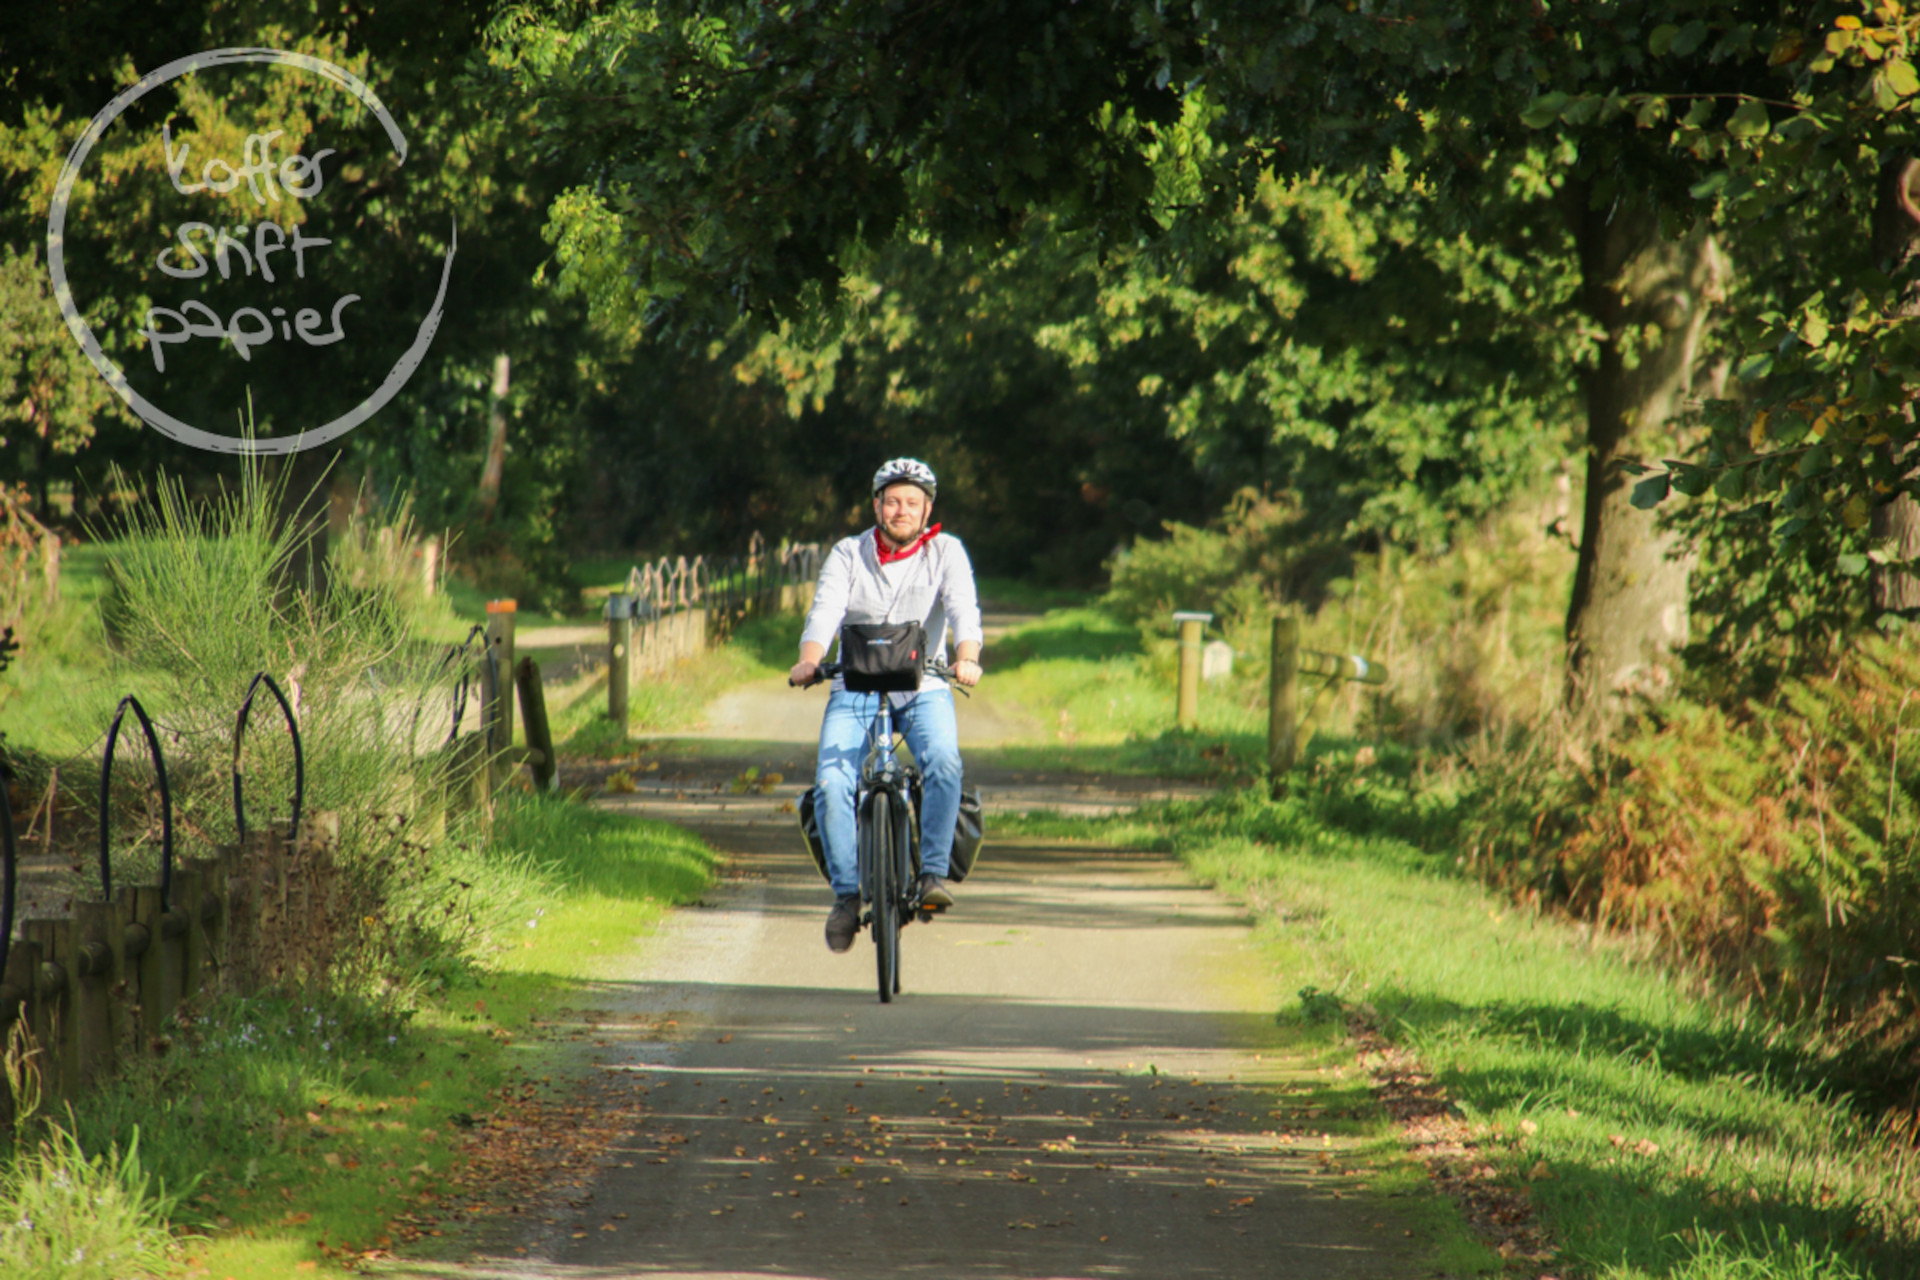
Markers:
<point>886,823</point>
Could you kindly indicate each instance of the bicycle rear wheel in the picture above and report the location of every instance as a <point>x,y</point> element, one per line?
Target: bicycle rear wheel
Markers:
<point>886,894</point>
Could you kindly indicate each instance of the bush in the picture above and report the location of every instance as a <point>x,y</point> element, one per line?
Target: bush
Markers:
<point>1256,555</point>
<point>1768,844</point>
<point>1472,636</point>
<point>201,599</point>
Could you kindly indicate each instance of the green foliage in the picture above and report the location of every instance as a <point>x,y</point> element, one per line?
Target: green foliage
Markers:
<point>201,601</point>
<point>1257,555</point>
<point>737,151</point>
<point>68,1215</point>
<point>1471,635</point>
<point>1768,844</point>
<point>1799,141</point>
<point>48,391</point>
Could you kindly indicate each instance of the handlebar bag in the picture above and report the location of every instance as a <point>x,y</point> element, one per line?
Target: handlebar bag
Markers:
<point>882,657</point>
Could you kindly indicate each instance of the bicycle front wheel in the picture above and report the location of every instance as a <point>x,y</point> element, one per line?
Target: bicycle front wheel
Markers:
<point>886,894</point>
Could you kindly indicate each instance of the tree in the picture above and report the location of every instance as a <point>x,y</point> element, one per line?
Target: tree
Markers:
<point>390,226</point>
<point>733,154</point>
<point>48,391</point>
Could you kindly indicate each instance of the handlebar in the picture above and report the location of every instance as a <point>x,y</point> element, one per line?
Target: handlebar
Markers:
<point>821,671</point>
<point>828,670</point>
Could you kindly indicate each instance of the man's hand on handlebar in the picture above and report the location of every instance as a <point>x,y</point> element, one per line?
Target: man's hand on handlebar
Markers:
<point>967,672</point>
<point>803,674</point>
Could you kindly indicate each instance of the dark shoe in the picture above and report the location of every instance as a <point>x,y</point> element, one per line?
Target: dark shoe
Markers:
<point>843,922</point>
<point>934,892</point>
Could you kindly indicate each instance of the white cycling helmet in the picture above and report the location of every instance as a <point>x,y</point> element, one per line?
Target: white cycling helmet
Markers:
<point>904,471</point>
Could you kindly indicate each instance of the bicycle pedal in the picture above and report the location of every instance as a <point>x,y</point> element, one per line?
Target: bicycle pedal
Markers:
<point>927,913</point>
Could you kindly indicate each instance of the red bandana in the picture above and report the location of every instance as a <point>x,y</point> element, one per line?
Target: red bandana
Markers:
<point>888,556</point>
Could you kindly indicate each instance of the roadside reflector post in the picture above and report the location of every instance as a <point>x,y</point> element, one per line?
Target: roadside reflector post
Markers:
<point>619,661</point>
<point>1191,625</point>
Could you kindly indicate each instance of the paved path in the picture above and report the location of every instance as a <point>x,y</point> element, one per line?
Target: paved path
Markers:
<point>1080,1079</point>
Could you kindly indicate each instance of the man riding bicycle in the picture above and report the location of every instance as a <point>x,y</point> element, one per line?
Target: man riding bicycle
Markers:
<point>901,570</point>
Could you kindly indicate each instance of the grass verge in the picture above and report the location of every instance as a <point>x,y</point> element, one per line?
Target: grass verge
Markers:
<point>676,699</point>
<point>313,1133</point>
<point>1654,1134</point>
<point>1104,696</point>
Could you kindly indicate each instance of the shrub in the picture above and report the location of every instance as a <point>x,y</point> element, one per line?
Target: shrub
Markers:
<point>1770,844</point>
<point>1472,635</point>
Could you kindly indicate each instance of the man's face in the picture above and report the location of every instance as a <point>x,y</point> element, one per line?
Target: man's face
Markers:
<point>901,511</point>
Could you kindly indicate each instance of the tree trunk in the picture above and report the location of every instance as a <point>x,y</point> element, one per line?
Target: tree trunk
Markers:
<point>1896,238</point>
<point>489,495</point>
<point>1653,298</point>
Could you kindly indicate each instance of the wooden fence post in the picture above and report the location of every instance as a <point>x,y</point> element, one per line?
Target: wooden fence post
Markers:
<point>189,895</point>
<point>500,619</point>
<point>1282,677</point>
<point>533,709</point>
<point>23,975</point>
<point>16,1004</point>
<point>53,1004</point>
<point>130,940</point>
<point>1189,704</point>
<point>92,982</point>
<point>162,961</point>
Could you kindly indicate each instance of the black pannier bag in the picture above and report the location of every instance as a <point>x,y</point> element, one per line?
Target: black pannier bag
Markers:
<point>882,657</point>
<point>810,832</point>
<point>969,833</point>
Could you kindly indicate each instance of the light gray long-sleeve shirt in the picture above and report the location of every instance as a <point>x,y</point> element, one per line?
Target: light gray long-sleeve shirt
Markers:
<point>933,585</point>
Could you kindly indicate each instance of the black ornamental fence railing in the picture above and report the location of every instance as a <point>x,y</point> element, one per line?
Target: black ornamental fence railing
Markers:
<point>99,982</point>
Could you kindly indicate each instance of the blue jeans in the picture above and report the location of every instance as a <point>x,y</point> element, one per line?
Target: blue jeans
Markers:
<point>926,720</point>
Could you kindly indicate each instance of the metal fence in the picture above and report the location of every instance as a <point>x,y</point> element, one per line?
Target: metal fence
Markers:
<point>97,985</point>
<point>679,606</point>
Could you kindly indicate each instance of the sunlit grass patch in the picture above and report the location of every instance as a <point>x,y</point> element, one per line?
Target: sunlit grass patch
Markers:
<point>677,697</point>
<point>68,1215</point>
<point>614,876</point>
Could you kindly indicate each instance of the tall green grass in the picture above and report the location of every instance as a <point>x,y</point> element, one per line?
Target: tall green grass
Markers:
<point>68,1215</point>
